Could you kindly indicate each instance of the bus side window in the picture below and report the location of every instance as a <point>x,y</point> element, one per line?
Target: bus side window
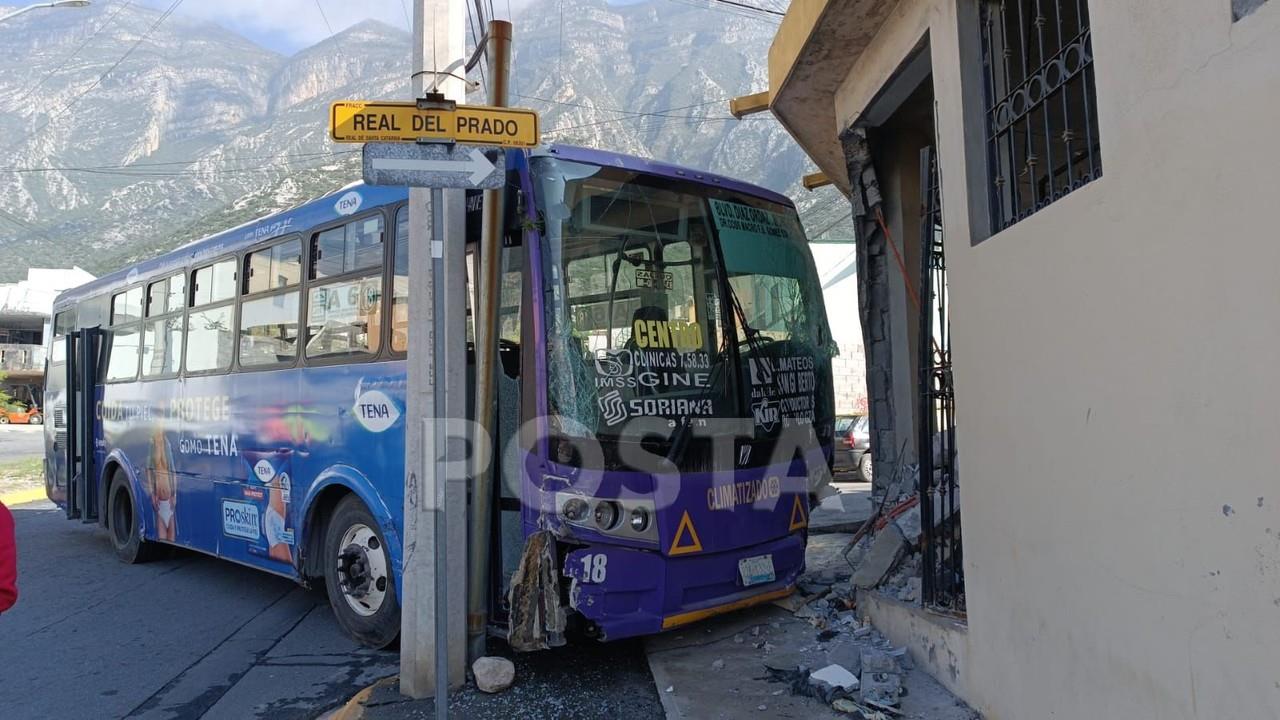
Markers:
<point>122,339</point>
<point>400,284</point>
<point>163,330</point>
<point>344,315</point>
<point>268,315</point>
<point>210,332</point>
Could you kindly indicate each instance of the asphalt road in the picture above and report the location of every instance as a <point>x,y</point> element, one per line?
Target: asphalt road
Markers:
<point>19,442</point>
<point>188,637</point>
<point>196,637</point>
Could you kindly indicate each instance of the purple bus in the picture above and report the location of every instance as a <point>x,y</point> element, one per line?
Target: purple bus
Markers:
<point>664,415</point>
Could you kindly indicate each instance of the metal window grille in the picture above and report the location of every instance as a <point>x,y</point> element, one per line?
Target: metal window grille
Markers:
<point>1042,124</point>
<point>942,572</point>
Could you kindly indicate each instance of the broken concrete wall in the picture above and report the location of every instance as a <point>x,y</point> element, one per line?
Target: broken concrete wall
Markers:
<point>883,310</point>
<point>938,644</point>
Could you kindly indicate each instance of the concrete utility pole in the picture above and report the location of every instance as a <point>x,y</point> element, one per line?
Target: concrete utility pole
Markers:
<point>499,55</point>
<point>434,548</point>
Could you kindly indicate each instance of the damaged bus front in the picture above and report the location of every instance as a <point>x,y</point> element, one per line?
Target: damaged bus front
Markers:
<point>683,408</point>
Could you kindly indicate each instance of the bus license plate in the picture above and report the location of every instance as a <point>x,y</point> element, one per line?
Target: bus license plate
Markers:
<point>756,570</point>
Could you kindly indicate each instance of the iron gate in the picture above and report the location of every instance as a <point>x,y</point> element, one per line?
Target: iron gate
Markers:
<point>942,572</point>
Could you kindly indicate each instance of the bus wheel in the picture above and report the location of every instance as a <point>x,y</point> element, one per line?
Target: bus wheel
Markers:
<point>358,576</point>
<point>123,526</point>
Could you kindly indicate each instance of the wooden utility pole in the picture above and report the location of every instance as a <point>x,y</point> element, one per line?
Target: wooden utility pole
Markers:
<point>479,551</point>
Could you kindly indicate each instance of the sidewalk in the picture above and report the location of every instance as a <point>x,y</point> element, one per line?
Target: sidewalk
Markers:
<point>757,663</point>
<point>843,512</point>
<point>21,481</point>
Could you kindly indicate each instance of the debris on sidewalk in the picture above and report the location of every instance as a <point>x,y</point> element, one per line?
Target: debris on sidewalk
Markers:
<point>493,674</point>
<point>833,678</point>
<point>859,674</point>
<point>886,550</point>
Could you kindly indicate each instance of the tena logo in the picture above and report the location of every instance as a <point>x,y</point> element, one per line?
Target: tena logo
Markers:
<point>264,470</point>
<point>348,203</point>
<point>375,411</point>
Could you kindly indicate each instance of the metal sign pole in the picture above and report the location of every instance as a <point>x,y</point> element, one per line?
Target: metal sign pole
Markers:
<point>440,485</point>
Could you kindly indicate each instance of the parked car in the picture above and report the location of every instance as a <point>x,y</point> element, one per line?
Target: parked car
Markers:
<point>853,445</point>
<point>21,415</point>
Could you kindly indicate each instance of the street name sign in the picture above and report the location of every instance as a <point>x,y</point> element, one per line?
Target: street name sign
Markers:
<point>356,121</point>
<point>434,165</point>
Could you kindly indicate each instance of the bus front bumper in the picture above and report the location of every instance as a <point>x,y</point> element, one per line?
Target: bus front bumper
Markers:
<point>638,592</point>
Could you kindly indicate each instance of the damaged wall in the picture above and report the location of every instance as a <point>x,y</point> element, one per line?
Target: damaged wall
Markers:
<point>1112,569</point>
<point>883,304</point>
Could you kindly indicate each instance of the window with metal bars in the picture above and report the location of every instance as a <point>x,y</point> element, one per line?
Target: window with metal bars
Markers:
<point>1041,104</point>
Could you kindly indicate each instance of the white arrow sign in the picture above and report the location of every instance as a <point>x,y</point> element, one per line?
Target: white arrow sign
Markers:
<point>432,165</point>
<point>477,164</point>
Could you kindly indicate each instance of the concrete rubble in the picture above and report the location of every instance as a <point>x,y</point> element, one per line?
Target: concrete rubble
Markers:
<point>866,679</point>
<point>493,674</point>
<point>820,657</point>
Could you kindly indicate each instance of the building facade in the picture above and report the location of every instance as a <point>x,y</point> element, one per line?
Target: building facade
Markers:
<point>1098,175</point>
<point>25,322</point>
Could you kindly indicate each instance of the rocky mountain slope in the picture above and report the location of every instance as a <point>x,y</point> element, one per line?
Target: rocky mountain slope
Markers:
<point>126,134</point>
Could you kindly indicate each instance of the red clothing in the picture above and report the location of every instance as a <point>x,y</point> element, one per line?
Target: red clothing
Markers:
<point>8,560</point>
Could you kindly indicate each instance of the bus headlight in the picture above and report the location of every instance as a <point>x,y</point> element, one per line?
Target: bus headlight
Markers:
<point>639,520</point>
<point>626,518</point>
<point>606,514</point>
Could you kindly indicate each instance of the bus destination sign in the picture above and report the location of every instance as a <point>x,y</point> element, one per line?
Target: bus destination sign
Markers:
<point>355,121</point>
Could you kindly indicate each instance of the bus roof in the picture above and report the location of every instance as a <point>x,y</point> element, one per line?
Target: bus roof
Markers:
<point>657,167</point>
<point>331,207</point>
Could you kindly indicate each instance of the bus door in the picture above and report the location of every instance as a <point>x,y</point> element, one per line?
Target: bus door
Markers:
<point>83,348</point>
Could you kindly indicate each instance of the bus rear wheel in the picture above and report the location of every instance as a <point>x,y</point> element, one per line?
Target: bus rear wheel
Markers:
<point>123,525</point>
<point>358,575</point>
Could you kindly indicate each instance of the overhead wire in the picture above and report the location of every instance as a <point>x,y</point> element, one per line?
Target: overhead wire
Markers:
<point>476,38</point>
<point>753,8</point>
<point>325,18</point>
<point>649,120</point>
<point>712,6</point>
<point>65,108</point>
<point>142,167</point>
<point>62,64</point>
<point>720,99</point>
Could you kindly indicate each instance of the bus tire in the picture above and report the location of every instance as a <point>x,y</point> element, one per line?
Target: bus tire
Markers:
<point>358,575</point>
<point>122,523</point>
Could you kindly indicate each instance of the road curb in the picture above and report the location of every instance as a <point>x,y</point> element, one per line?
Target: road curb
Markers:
<point>353,709</point>
<point>663,681</point>
<point>19,497</point>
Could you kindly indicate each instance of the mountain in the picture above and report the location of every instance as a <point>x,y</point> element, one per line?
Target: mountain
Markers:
<point>127,133</point>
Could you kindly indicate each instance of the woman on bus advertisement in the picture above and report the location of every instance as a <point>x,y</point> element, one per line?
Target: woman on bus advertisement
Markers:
<point>164,494</point>
<point>269,487</point>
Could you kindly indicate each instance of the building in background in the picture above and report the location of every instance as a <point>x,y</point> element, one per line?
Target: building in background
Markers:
<point>25,323</point>
<point>840,293</point>
<point>1089,182</point>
